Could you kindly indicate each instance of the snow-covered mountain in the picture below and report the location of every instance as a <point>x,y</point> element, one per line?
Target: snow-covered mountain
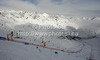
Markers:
<point>12,18</point>
<point>58,29</point>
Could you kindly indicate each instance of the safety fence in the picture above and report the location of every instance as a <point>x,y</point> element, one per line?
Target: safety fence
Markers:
<point>27,43</point>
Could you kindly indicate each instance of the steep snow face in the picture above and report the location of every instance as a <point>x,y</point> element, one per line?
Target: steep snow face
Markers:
<point>21,17</point>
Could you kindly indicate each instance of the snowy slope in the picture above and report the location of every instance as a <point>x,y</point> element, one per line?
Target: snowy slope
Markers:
<point>16,51</point>
<point>32,22</point>
<point>95,44</point>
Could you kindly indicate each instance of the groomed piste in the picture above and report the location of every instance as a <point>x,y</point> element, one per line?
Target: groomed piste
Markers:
<point>27,43</point>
